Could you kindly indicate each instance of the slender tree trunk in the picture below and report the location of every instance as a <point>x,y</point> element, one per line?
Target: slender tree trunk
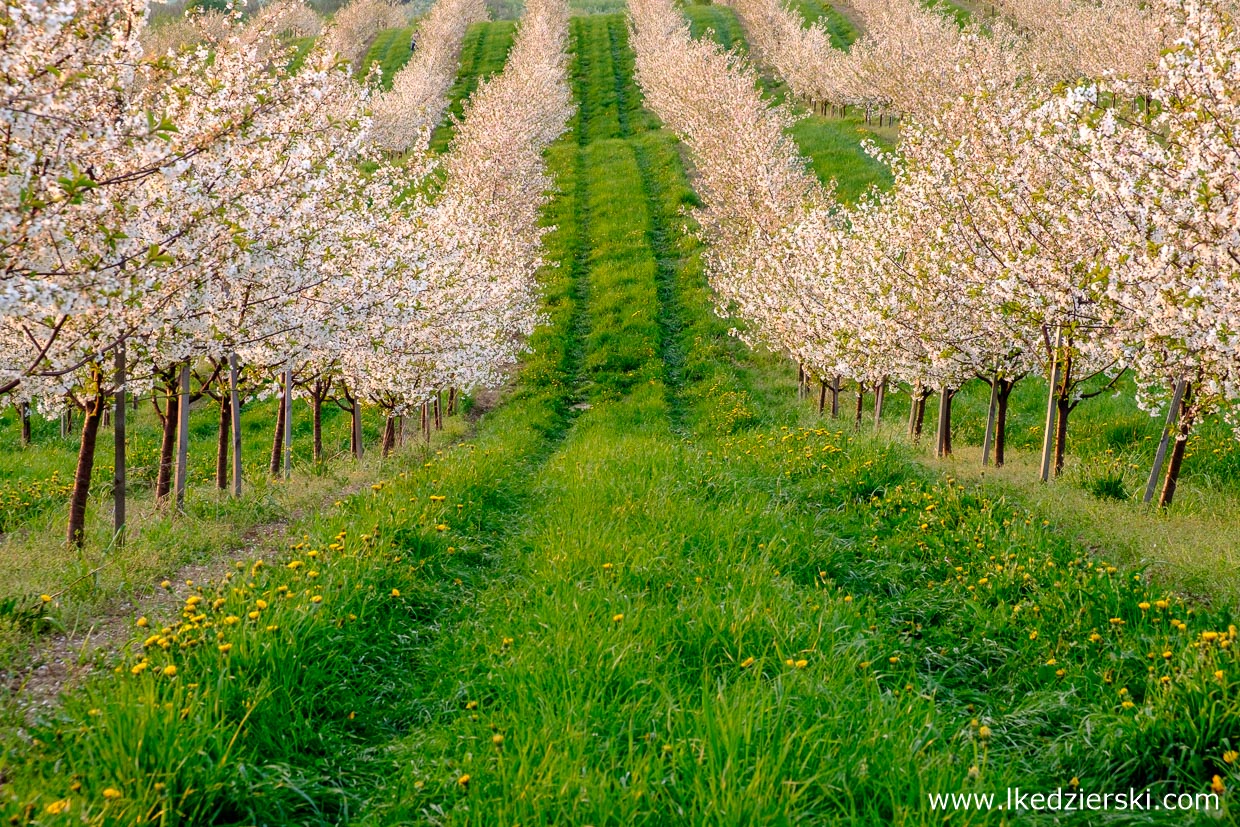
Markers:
<point>991,413</point>
<point>221,448</point>
<point>85,466</point>
<point>860,406</point>
<point>389,435</point>
<point>452,397</point>
<point>119,470</point>
<point>1063,405</point>
<point>316,415</point>
<point>800,381</point>
<point>880,393</point>
<point>277,440</point>
<point>1177,460</point>
<point>438,411</point>
<point>288,424</point>
<point>183,438</point>
<point>918,414</point>
<point>356,429</point>
<point>1052,384</point>
<point>426,421</point>
<point>822,398</point>
<point>167,444</point>
<point>944,446</point>
<point>234,405</point>
<point>1005,390</point>
<point>400,430</point>
<point>23,411</point>
<point>835,398</point>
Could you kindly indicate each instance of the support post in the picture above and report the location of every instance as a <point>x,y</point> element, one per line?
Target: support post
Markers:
<point>1173,416</point>
<point>989,439</point>
<point>1048,436</point>
<point>183,438</point>
<point>118,442</point>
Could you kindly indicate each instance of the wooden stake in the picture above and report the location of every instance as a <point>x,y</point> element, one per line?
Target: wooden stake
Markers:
<point>288,423</point>
<point>118,442</point>
<point>235,413</point>
<point>1160,456</point>
<point>1048,436</point>
<point>989,439</point>
<point>183,438</point>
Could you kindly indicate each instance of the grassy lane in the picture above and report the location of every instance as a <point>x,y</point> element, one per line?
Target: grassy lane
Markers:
<point>651,590</point>
<point>483,54</point>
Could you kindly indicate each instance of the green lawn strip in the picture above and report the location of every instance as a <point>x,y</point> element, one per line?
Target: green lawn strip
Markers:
<point>391,51</point>
<point>842,32</point>
<point>953,12</point>
<point>483,54</point>
<point>720,21</point>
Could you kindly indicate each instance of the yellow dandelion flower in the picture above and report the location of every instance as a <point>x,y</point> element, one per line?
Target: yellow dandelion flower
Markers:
<point>801,664</point>
<point>617,618</point>
<point>1218,675</point>
<point>57,807</point>
<point>1230,756</point>
<point>471,704</point>
<point>318,598</point>
<point>395,592</point>
<point>865,664</point>
<point>893,659</point>
<point>1143,606</point>
<point>1127,704</point>
<point>165,584</point>
<point>111,793</point>
<point>1033,635</point>
<point>262,604</point>
<point>497,739</point>
<point>139,668</point>
<point>983,732</point>
<point>463,780</point>
<point>441,527</point>
<point>142,623</point>
<point>170,671</point>
<point>253,615</point>
<point>747,662</point>
<point>1217,785</point>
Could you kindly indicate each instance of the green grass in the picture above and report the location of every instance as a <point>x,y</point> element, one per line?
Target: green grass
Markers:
<point>842,32</point>
<point>391,51</point>
<point>651,588</point>
<point>957,14</point>
<point>720,21</point>
<point>483,54</point>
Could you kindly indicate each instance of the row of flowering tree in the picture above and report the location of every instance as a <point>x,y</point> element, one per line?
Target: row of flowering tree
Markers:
<point>1080,227</point>
<point>218,218</point>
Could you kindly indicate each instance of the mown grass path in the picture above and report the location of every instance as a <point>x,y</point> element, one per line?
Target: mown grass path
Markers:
<point>650,589</point>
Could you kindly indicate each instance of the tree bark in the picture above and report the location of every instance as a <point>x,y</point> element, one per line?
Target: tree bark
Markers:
<point>288,424</point>
<point>119,470</point>
<point>880,393</point>
<point>1063,406</point>
<point>944,446</point>
<point>355,419</point>
<point>183,438</point>
<point>822,398</point>
<point>234,405</point>
<point>85,467</point>
<point>389,435</point>
<point>316,415</point>
<point>835,398</point>
<point>23,411</point>
<point>167,444</point>
<point>277,439</point>
<point>1005,390</point>
<point>438,411</point>
<point>221,448</point>
<point>1177,451</point>
<point>860,406</point>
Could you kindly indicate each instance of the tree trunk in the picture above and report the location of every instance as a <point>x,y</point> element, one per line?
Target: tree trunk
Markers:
<point>167,444</point>
<point>389,435</point>
<point>944,445</point>
<point>880,393</point>
<point>860,406</point>
<point>919,415</point>
<point>452,397</point>
<point>119,470</point>
<point>221,448</point>
<point>288,424</point>
<point>1063,406</point>
<point>277,440</point>
<point>1177,452</point>
<point>355,415</point>
<point>1005,390</point>
<point>316,415</point>
<point>835,398</point>
<point>438,411</point>
<point>23,410</point>
<point>183,438</point>
<point>822,398</point>
<point>234,404</point>
<point>81,477</point>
